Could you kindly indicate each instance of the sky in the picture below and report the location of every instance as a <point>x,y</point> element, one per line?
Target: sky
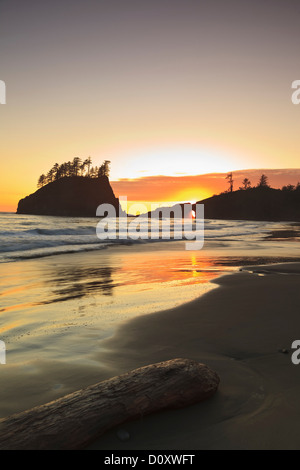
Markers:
<point>170,88</point>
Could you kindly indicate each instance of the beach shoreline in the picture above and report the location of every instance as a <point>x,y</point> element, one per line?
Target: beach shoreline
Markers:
<point>71,321</point>
<point>243,330</point>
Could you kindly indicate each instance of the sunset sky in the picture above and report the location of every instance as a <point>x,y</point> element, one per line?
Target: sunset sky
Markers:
<point>165,89</point>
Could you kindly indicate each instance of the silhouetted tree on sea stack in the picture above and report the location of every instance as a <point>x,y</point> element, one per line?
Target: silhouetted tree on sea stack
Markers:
<point>41,181</point>
<point>75,168</point>
<point>104,169</point>
<point>246,184</point>
<point>289,187</point>
<point>88,163</point>
<point>263,182</point>
<point>229,177</point>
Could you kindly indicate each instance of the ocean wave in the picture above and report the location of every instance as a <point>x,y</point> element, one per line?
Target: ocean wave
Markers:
<point>38,236</point>
<point>48,232</point>
<point>38,253</point>
<point>33,252</point>
<point>30,244</point>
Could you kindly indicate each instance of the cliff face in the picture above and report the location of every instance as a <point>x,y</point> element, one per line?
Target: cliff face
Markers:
<point>71,197</point>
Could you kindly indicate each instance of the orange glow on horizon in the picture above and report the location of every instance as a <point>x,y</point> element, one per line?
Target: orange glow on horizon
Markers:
<point>193,194</point>
<point>165,190</point>
<point>193,188</point>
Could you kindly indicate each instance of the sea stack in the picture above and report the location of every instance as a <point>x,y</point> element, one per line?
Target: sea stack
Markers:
<point>75,196</point>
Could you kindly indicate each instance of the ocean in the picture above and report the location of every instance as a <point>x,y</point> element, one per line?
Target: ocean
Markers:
<point>24,237</point>
<point>63,292</point>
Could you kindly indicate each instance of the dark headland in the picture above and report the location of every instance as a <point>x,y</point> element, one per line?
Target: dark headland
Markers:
<point>79,196</point>
<point>75,196</point>
<point>258,203</point>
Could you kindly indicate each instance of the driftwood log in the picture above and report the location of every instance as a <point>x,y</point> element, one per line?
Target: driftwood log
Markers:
<point>74,421</point>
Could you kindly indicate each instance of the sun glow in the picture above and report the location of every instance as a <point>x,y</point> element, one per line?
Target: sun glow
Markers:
<point>192,195</point>
<point>177,161</point>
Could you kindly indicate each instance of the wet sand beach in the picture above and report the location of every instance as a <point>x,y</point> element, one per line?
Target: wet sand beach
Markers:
<point>56,311</point>
<point>72,320</point>
<point>243,330</point>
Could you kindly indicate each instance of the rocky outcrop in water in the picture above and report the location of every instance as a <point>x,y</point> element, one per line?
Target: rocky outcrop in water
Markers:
<point>70,197</point>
